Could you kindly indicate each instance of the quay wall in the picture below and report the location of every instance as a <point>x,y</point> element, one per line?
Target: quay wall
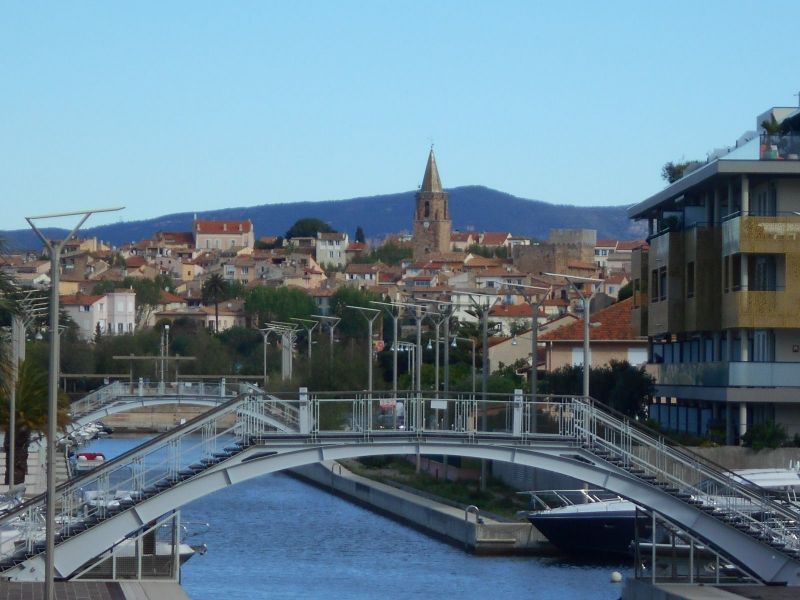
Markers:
<point>444,521</point>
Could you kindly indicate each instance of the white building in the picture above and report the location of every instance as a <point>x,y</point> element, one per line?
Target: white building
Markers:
<point>331,249</point>
<point>110,314</point>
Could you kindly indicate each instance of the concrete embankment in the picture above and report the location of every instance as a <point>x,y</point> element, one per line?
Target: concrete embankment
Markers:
<point>449,523</point>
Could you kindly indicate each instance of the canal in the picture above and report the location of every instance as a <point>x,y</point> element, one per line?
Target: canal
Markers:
<point>278,538</point>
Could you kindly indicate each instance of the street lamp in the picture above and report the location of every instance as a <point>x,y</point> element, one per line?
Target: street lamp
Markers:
<point>309,330</point>
<point>483,308</point>
<point>288,334</point>
<point>587,300</point>
<point>534,331</point>
<point>472,341</point>
<point>388,307</point>
<point>54,249</point>
<point>332,322</point>
<point>418,314</point>
<point>31,306</point>
<point>370,314</point>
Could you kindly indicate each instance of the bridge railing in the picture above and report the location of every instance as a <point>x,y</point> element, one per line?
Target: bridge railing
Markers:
<point>118,390</point>
<point>217,434</point>
<point>698,480</point>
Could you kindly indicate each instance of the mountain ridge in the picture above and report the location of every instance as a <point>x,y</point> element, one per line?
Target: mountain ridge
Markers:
<point>471,207</point>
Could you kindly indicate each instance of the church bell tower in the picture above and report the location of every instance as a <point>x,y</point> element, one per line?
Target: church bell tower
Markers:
<point>432,216</point>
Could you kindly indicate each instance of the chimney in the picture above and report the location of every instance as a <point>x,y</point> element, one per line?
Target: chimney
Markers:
<point>224,227</point>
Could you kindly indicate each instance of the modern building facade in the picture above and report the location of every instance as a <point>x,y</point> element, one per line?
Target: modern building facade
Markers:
<point>432,224</point>
<point>718,291</point>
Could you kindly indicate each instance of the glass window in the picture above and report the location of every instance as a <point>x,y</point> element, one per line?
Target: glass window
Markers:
<point>662,283</point>
<point>690,280</point>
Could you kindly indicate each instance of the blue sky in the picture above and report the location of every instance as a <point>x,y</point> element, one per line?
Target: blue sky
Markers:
<point>187,106</point>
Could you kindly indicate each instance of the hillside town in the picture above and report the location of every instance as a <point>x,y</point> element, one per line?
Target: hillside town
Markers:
<point>520,277</point>
<point>652,302</point>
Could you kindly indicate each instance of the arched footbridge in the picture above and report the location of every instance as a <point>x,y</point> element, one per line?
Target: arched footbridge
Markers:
<point>119,397</point>
<point>236,441</point>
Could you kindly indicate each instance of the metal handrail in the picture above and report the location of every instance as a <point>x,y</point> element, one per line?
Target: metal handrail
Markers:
<point>169,458</point>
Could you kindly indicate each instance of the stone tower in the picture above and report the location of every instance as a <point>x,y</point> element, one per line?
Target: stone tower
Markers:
<point>432,216</point>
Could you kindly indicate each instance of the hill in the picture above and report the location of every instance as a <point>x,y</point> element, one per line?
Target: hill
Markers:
<point>471,207</point>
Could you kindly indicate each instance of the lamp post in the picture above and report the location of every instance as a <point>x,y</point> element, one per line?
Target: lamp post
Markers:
<point>483,308</point>
<point>587,300</point>
<point>472,341</point>
<point>288,334</point>
<point>418,314</point>
<point>370,314</point>
<point>534,331</point>
<point>54,249</point>
<point>332,322</point>
<point>309,325</point>
<point>164,351</point>
<point>265,335</point>
<point>388,306</point>
<point>31,306</point>
<point>409,347</point>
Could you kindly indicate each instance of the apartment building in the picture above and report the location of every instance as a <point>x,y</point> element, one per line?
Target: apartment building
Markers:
<point>113,313</point>
<point>223,235</point>
<point>717,292</point>
<point>331,249</point>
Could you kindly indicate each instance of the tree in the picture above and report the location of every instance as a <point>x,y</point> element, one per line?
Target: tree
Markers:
<point>625,292</point>
<point>214,290</point>
<point>673,171</point>
<point>278,304</point>
<point>619,384</point>
<point>31,414</point>
<point>308,227</point>
<point>360,238</point>
<point>352,323</point>
<point>765,435</point>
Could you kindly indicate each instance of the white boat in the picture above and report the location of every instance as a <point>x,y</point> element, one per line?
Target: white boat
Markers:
<point>597,522</point>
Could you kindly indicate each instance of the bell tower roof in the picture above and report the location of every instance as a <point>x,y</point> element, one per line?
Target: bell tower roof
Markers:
<point>431,181</point>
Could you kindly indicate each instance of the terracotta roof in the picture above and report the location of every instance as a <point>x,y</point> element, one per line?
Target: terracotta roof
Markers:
<point>169,298</point>
<point>185,238</point>
<point>201,226</point>
<point>555,302</point>
<point>356,247</point>
<point>498,272</point>
<point>494,238</point>
<point>614,325</point>
<point>134,262</point>
<point>479,262</point>
<point>579,264</point>
<point>461,236</point>
<point>606,244</point>
<point>364,267</point>
<point>628,245</point>
<point>616,278</point>
<point>79,299</point>
<point>518,311</point>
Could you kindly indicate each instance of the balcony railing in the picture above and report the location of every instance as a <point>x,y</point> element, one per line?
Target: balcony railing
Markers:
<point>779,146</point>
<point>728,374</point>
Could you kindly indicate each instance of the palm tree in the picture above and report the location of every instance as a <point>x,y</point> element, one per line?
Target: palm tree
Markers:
<point>214,289</point>
<point>31,405</point>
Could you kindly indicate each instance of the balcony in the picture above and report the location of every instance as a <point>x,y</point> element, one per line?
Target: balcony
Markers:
<point>728,374</point>
<point>766,234</point>
<point>779,146</point>
<point>760,309</point>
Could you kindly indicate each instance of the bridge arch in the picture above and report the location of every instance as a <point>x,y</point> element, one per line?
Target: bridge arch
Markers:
<point>281,454</point>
